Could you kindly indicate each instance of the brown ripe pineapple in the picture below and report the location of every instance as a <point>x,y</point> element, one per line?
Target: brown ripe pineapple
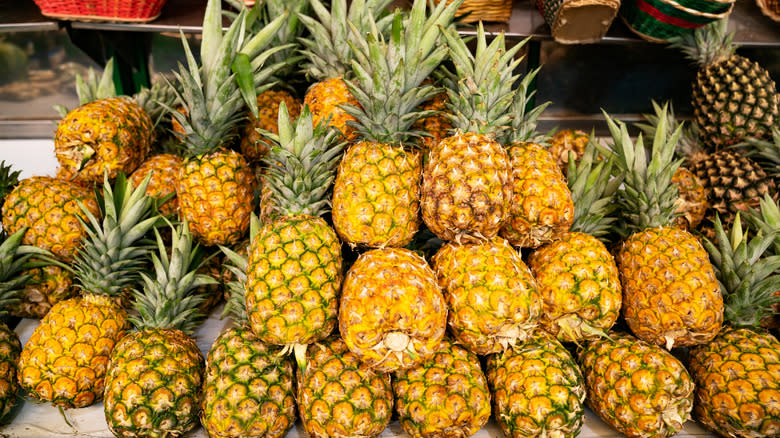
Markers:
<point>81,332</point>
<point>340,397</point>
<point>737,374</point>
<point>376,195</point>
<point>445,396</point>
<point>637,388</point>
<point>164,169</point>
<point>252,146</point>
<point>49,208</point>
<point>670,293</point>
<point>492,298</point>
<point>111,134</point>
<point>538,389</point>
<point>466,186</point>
<point>392,314</point>
<point>577,276</point>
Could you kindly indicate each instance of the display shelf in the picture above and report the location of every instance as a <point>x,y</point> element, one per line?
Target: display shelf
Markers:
<point>752,28</point>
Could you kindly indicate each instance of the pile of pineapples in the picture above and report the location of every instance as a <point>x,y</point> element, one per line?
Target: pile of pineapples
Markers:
<point>400,242</point>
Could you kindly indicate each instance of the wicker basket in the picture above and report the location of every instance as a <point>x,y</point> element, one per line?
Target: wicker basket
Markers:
<point>578,21</point>
<point>484,10</point>
<point>129,11</point>
<point>770,8</point>
<point>660,20</point>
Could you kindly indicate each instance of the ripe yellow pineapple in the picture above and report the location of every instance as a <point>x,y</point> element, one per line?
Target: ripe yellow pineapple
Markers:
<point>340,397</point>
<point>376,194</point>
<point>444,396</point>
<point>568,141</point>
<point>295,265</point>
<point>466,187</point>
<point>492,298</point>
<point>577,276</point>
<point>392,314</point>
<point>164,169</point>
<point>253,145</point>
<point>248,386</point>
<point>692,203</point>
<point>65,360</point>
<point>541,208</point>
<point>670,293</point>
<point>48,285</point>
<point>438,125</point>
<point>49,208</point>
<point>329,55</point>
<point>215,187</point>
<point>637,388</point>
<point>155,376</point>
<point>737,374</point>
<point>113,134</point>
<point>538,389</point>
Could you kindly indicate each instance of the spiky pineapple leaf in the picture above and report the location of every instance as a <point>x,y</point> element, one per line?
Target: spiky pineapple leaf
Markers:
<point>706,44</point>
<point>15,258</point>
<point>9,178</point>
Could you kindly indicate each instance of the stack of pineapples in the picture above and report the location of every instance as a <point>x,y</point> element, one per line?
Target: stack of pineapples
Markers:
<point>420,248</point>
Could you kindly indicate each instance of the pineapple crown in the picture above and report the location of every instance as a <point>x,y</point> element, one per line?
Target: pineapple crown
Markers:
<point>767,219</point>
<point>328,47</point>
<point>480,90</point>
<point>94,87</point>
<point>647,197</point>
<point>767,152</point>
<point>593,188</point>
<point>262,13</point>
<point>113,251</point>
<point>688,145</point>
<point>154,100</point>
<point>14,259</point>
<point>748,278</point>
<point>301,164</point>
<point>524,121</point>
<point>389,73</point>
<point>167,299</point>
<point>9,179</point>
<point>232,73</point>
<point>237,264</point>
<point>707,44</point>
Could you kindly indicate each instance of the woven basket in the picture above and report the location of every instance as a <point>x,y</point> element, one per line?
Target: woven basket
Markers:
<point>578,21</point>
<point>770,8</point>
<point>484,10</point>
<point>129,11</point>
<point>659,20</point>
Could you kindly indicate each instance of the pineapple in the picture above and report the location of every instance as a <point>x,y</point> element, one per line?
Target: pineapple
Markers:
<point>637,388</point>
<point>248,389</point>
<point>14,259</point>
<point>376,195</point>
<point>49,208</point>
<point>492,298</point>
<point>340,397</point>
<point>154,378</point>
<point>295,266</point>
<point>733,98</point>
<point>437,125</point>
<point>542,207</point>
<point>253,144</point>
<point>215,186</point>
<point>164,169</point>
<point>47,286</point>
<point>392,314</point>
<point>737,374</point>
<point>692,203</point>
<point>445,396</point>
<point>113,134</point>
<point>467,186</point>
<point>670,293</point>
<point>538,389</point>
<point>568,141</point>
<point>329,51</point>
<point>577,276</point>
<point>65,360</point>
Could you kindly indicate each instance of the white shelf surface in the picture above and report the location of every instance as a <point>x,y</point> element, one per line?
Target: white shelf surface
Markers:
<point>36,420</point>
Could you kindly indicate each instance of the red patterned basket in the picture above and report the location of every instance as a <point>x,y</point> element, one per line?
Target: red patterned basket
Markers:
<point>130,11</point>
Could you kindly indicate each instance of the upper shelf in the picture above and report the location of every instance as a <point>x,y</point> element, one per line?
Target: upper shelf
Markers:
<point>752,28</point>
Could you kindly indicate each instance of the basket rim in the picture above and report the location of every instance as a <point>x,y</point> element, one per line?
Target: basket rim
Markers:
<point>774,15</point>
<point>698,13</point>
<point>644,36</point>
<point>99,18</point>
